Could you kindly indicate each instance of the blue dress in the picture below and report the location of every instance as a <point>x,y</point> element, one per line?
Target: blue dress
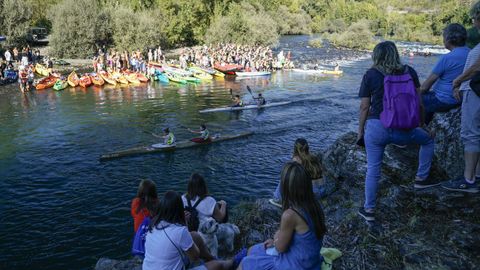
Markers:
<point>303,253</point>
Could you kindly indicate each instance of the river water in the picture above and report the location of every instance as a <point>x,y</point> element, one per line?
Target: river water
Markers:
<point>60,208</point>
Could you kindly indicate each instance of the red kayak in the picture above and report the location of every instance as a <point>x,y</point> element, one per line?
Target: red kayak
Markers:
<point>228,69</point>
<point>85,81</point>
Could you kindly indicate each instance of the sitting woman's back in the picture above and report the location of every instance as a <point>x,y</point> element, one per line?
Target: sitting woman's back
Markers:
<point>145,203</point>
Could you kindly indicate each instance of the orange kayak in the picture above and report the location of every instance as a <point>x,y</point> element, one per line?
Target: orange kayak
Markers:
<point>85,81</point>
<point>132,78</point>
<point>96,79</point>
<point>46,82</point>
<point>107,77</point>
<point>73,79</point>
<point>141,77</point>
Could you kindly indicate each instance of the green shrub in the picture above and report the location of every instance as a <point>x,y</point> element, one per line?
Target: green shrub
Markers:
<point>290,23</point>
<point>357,36</point>
<point>316,43</point>
<point>79,27</point>
<point>15,21</point>
<point>243,24</point>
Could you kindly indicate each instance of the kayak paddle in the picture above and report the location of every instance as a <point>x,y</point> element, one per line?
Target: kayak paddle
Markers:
<point>250,90</point>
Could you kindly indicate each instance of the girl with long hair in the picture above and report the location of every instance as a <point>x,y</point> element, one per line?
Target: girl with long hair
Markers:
<point>145,203</point>
<point>311,164</point>
<point>371,130</point>
<point>170,246</point>
<point>297,243</point>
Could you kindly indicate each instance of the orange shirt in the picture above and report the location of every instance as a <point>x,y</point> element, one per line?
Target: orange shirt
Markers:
<point>138,217</point>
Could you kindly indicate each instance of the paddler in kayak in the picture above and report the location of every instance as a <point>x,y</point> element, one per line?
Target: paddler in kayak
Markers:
<point>237,101</point>
<point>168,137</point>
<point>260,100</point>
<point>204,135</point>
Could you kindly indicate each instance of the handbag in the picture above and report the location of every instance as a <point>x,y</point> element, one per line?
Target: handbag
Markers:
<point>138,246</point>
<point>475,83</point>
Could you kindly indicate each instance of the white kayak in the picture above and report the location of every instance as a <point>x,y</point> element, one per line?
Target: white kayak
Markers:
<point>252,74</point>
<point>246,107</point>
<point>319,71</point>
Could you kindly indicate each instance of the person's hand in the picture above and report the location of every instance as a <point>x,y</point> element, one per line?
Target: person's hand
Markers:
<point>222,202</point>
<point>187,215</point>
<point>456,83</point>
<point>268,243</point>
<point>456,94</point>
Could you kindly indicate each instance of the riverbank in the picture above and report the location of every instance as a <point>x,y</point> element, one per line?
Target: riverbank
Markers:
<point>428,229</point>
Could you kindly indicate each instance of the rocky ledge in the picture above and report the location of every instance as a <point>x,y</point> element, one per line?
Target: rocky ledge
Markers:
<point>429,229</point>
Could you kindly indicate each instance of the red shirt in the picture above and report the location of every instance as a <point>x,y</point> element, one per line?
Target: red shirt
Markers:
<point>138,217</point>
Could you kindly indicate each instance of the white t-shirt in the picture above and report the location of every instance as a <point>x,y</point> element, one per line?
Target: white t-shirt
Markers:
<point>205,208</point>
<point>8,56</point>
<point>160,253</point>
<point>472,57</point>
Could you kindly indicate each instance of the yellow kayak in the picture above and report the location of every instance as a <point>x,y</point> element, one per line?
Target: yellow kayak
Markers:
<point>42,70</point>
<point>332,72</point>
<point>201,75</point>
<point>132,78</point>
<point>119,78</point>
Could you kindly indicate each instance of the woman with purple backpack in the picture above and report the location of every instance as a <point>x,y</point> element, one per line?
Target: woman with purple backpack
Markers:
<point>391,112</point>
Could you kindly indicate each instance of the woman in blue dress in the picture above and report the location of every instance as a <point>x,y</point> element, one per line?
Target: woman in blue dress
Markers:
<point>297,244</point>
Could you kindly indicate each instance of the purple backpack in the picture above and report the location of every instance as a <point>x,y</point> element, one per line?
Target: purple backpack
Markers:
<point>401,108</point>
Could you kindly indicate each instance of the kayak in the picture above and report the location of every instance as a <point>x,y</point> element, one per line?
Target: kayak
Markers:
<point>107,77</point>
<point>96,79</point>
<point>179,145</point>
<point>228,69</point>
<point>319,71</point>
<point>85,81</point>
<point>119,78</point>
<point>191,79</point>
<point>73,79</point>
<point>252,74</point>
<point>141,77</point>
<point>246,107</point>
<point>332,72</point>
<point>60,85</point>
<point>175,78</point>
<point>46,82</point>
<point>131,78</point>
<point>202,75</point>
<point>42,70</point>
<point>161,77</point>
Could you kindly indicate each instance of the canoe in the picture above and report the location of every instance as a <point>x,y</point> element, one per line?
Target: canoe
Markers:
<point>119,78</point>
<point>252,74</point>
<point>228,69</point>
<point>85,81</point>
<point>107,77</point>
<point>42,70</point>
<point>161,77</point>
<point>73,79</point>
<point>46,82</point>
<point>175,78</point>
<point>179,145</point>
<point>60,85</point>
<point>141,77</point>
<point>246,107</point>
<point>97,79</point>
<point>131,78</point>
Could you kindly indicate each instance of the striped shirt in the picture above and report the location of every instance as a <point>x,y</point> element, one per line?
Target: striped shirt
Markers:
<point>473,56</point>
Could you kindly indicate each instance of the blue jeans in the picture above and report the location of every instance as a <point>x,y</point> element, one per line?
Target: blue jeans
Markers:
<point>376,138</point>
<point>433,105</point>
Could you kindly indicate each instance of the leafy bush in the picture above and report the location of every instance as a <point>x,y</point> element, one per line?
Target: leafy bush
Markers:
<point>357,36</point>
<point>15,19</point>
<point>243,24</point>
<point>79,28</point>
<point>290,23</point>
<point>316,43</point>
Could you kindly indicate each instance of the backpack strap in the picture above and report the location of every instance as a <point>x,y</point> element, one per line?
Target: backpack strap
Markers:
<point>196,203</point>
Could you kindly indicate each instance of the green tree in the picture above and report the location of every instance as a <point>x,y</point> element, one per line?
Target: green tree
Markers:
<point>78,31</point>
<point>16,16</point>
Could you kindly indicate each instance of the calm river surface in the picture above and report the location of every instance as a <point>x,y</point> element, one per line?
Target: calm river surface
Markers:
<point>60,208</point>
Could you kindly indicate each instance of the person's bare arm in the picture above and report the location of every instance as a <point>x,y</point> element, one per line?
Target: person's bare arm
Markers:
<point>364,107</point>
<point>467,74</point>
<point>193,253</point>
<point>427,84</point>
<point>220,211</point>
<point>287,227</point>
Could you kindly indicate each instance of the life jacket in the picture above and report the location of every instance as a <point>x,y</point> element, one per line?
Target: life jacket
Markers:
<point>205,134</point>
<point>170,139</point>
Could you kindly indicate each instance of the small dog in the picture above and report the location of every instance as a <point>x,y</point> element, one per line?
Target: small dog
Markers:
<point>226,235</point>
<point>207,230</point>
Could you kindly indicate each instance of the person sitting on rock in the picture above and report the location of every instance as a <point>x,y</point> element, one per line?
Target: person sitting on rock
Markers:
<point>197,191</point>
<point>470,121</point>
<point>297,243</point>
<point>170,246</point>
<point>376,129</point>
<point>448,68</point>
<point>145,203</point>
<point>311,164</point>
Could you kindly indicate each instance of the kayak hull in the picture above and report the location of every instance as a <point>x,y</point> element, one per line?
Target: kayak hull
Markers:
<point>45,83</point>
<point>107,78</point>
<point>247,107</point>
<point>60,85</point>
<point>252,74</point>
<point>73,79</point>
<point>85,81</point>
<point>142,150</point>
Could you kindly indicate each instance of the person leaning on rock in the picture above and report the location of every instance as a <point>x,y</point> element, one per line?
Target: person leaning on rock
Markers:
<point>470,121</point>
<point>394,123</point>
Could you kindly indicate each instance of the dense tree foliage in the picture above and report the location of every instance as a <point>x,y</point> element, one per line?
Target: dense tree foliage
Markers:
<point>175,23</point>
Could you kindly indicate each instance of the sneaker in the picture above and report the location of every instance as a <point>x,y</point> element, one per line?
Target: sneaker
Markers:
<point>277,203</point>
<point>368,216</point>
<point>429,182</point>
<point>461,185</point>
